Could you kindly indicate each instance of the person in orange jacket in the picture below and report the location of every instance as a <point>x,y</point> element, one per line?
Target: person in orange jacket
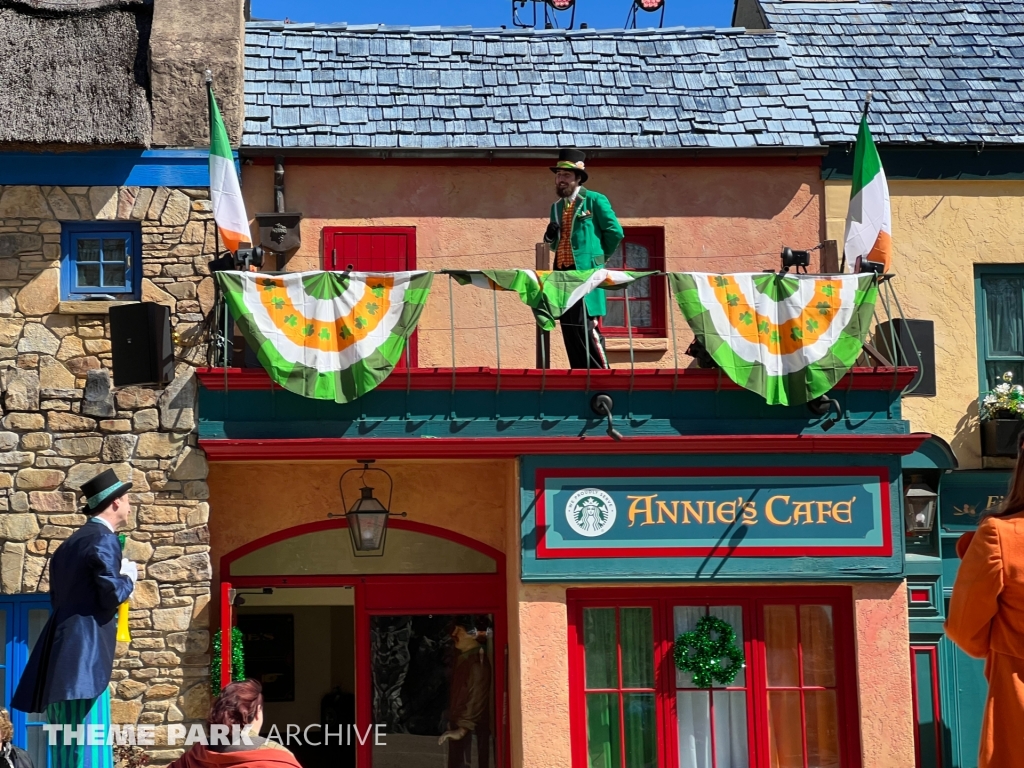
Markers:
<point>986,619</point>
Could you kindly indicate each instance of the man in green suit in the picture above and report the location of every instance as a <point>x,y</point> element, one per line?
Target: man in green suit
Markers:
<point>583,232</point>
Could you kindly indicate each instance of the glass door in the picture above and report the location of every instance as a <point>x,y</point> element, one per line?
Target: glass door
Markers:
<point>432,687</point>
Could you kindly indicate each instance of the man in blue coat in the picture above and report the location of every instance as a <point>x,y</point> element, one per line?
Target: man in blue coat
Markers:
<point>70,666</point>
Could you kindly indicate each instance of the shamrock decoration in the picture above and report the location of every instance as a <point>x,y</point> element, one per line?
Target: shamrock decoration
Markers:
<point>705,661</point>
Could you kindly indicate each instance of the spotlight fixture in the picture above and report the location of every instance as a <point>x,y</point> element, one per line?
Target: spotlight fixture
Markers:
<point>798,259</point>
<point>647,6</point>
<point>602,405</point>
<point>823,406</point>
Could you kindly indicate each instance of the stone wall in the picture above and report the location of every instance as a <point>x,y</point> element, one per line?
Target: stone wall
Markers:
<point>63,422</point>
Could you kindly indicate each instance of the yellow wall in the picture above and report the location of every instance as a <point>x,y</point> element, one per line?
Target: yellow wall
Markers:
<point>725,218</point>
<point>940,230</point>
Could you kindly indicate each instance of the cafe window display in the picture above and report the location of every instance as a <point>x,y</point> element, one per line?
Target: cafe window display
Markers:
<point>728,678</point>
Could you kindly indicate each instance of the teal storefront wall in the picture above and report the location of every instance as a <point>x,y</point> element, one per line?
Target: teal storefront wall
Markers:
<point>949,724</point>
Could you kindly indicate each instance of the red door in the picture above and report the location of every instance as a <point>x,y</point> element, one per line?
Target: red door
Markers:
<point>373,249</point>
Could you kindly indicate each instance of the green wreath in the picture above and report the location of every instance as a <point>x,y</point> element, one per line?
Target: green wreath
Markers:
<point>700,653</point>
<point>237,660</point>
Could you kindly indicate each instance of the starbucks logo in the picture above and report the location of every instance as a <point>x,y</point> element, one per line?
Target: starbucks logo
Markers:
<point>590,512</point>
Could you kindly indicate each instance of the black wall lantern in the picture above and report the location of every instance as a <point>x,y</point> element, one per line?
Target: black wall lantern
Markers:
<point>367,517</point>
<point>919,503</point>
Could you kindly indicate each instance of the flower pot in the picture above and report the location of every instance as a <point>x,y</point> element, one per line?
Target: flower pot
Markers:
<point>999,437</point>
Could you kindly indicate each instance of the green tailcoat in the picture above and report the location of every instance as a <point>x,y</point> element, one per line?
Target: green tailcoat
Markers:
<point>596,233</point>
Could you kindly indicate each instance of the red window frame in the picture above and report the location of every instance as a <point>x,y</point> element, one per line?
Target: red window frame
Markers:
<point>652,238</point>
<point>752,600</point>
<point>374,249</point>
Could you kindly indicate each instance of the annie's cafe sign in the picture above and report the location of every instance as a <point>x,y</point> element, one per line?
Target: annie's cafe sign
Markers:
<point>753,513</point>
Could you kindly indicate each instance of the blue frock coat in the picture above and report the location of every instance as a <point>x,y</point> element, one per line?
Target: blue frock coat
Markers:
<point>74,656</point>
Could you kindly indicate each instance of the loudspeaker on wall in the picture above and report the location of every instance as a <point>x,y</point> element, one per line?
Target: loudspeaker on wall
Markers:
<point>140,341</point>
<point>911,335</point>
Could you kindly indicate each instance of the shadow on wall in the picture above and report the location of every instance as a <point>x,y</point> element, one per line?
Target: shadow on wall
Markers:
<point>967,437</point>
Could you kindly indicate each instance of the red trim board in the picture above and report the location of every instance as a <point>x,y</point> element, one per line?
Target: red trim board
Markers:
<point>545,523</point>
<point>486,379</point>
<point>345,448</point>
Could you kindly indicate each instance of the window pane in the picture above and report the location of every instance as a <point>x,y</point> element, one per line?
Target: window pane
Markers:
<point>640,313</point>
<point>88,250</point>
<point>37,746</point>
<point>115,250</point>
<point>684,619</point>
<point>88,275</point>
<point>816,643</point>
<point>616,315</point>
<point>785,742</point>
<point>641,288</point>
<point>780,645</point>
<point>694,721</point>
<point>822,729</point>
<point>637,648</point>
<point>1005,315</point>
<point>731,746</point>
<point>641,730</point>
<point>599,648</point>
<point>603,750</point>
<point>36,622</point>
<point>615,260</point>
<point>637,257</point>
<point>113,275</point>
<point>733,615</point>
<point>996,368</point>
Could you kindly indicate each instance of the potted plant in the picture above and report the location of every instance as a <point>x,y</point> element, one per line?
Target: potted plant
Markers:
<point>1002,418</point>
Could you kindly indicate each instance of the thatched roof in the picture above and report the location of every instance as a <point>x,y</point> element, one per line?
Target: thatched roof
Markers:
<point>73,77</point>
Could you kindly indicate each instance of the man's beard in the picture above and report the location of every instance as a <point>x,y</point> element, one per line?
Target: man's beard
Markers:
<point>563,190</point>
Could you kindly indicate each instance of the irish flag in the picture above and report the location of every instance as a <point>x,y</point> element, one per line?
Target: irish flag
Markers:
<point>228,208</point>
<point>869,222</point>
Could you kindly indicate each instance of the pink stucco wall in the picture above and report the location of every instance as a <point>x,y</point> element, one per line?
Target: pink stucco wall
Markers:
<point>883,675</point>
<point>716,218</point>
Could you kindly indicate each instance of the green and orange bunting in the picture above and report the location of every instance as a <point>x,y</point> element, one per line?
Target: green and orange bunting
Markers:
<point>789,338</point>
<point>327,335</point>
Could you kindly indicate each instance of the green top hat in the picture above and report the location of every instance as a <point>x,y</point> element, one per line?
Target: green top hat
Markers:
<point>572,160</point>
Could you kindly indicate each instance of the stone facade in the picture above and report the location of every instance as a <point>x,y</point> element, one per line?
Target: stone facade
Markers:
<point>63,422</point>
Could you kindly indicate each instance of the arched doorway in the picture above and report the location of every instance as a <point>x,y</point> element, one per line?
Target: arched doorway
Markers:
<point>409,645</point>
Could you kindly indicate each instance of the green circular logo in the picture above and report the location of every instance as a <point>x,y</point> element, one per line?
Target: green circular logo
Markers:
<point>590,512</point>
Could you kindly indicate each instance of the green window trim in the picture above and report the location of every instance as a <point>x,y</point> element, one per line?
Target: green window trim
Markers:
<point>999,316</point>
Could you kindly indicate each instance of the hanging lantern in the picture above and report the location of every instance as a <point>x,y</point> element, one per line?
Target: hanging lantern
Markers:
<point>919,502</point>
<point>368,516</point>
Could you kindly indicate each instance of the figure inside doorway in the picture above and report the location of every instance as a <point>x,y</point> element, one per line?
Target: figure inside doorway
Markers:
<point>469,707</point>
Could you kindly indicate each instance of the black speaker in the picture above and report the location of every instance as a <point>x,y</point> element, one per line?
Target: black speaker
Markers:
<point>140,341</point>
<point>911,335</point>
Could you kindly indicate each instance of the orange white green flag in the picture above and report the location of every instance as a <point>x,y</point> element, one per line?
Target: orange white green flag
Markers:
<point>789,338</point>
<point>869,220</point>
<point>225,192</point>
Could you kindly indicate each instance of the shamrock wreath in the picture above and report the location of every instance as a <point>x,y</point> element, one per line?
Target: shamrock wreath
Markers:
<point>698,652</point>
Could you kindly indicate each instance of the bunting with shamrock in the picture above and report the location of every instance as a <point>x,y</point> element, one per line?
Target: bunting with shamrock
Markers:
<point>789,338</point>
<point>327,335</point>
<point>549,294</point>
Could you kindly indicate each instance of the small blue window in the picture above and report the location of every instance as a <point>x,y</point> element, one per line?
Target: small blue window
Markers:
<point>101,260</point>
<point>999,293</point>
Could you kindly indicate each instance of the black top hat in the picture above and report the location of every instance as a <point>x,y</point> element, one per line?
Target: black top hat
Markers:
<point>101,491</point>
<point>572,160</point>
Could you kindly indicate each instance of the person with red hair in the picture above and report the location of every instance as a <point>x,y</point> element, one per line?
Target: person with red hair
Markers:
<point>986,619</point>
<point>239,710</point>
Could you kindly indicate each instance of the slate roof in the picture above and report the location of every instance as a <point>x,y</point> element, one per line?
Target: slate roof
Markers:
<point>376,87</point>
<point>945,72</point>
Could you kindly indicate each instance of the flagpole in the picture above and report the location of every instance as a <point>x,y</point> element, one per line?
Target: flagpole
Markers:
<point>867,105</point>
